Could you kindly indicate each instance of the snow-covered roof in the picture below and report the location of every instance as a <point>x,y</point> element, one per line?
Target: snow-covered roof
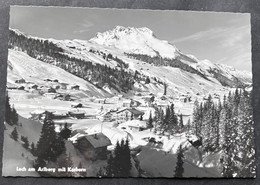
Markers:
<point>98,140</point>
<point>132,110</point>
<point>37,111</point>
<point>134,123</point>
<point>127,101</point>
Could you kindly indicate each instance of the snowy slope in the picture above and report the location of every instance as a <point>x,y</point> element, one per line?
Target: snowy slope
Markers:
<point>20,65</point>
<point>142,41</point>
<point>164,164</point>
<point>14,154</point>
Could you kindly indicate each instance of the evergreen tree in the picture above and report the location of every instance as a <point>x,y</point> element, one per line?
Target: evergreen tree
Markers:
<point>25,142</point>
<point>165,88</point>
<point>33,149</point>
<point>173,125</point>
<point>119,164</point>
<point>8,111</point>
<point>181,125</point>
<point>147,80</point>
<point>14,134</point>
<point>14,118</point>
<point>150,121</point>
<point>179,170</point>
<point>50,144</point>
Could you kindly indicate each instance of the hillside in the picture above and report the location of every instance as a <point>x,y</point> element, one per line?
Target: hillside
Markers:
<point>114,54</point>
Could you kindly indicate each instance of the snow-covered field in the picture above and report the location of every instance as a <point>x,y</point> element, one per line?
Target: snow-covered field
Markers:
<point>156,159</point>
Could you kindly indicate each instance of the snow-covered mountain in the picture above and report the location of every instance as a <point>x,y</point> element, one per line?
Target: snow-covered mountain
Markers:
<point>143,41</point>
<point>182,73</point>
<point>136,40</point>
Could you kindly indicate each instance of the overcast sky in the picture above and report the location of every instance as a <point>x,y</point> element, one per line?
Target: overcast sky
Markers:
<point>219,37</point>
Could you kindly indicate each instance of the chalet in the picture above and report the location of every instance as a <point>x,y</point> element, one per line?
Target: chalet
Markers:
<point>33,91</point>
<point>66,97</point>
<point>59,115</point>
<point>49,90</point>
<point>20,81</point>
<point>196,141</point>
<point>135,103</point>
<point>106,116</point>
<point>161,103</point>
<point>74,87</point>
<point>136,125</point>
<point>77,114</point>
<point>77,105</point>
<point>50,95</point>
<point>138,94</point>
<point>163,98</point>
<point>47,80</point>
<point>131,103</point>
<point>39,114</point>
<point>56,87</point>
<point>10,86</point>
<point>126,114</point>
<point>33,86</point>
<point>127,103</point>
<point>100,100</point>
<point>21,87</point>
<point>93,147</point>
<point>63,86</point>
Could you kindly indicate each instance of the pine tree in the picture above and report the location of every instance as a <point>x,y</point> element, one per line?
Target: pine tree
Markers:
<point>179,170</point>
<point>120,165</point>
<point>173,126</point>
<point>8,111</point>
<point>165,88</point>
<point>50,144</point>
<point>14,118</point>
<point>25,142</point>
<point>14,134</point>
<point>150,121</point>
<point>33,149</point>
<point>181,125</point>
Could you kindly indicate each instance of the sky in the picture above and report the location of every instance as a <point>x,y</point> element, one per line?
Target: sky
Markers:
<point>219,37</point>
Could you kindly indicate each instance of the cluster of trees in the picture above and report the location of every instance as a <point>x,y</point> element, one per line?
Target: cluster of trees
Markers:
<point>109,56</point>
<point>159,61</point>
<point>14,134</point>
<point>25,142</point>
<point>168,121</point>
<point>228,127</point>
<point>11,116</point>
<point>119,163</point>
<point>97,74</point>
<point>50,145</point>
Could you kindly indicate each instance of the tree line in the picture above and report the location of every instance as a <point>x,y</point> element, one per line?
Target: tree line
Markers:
<point>168,120</point>
<point>227,127</point>
<point>97,74</point>
<point>160,61</point>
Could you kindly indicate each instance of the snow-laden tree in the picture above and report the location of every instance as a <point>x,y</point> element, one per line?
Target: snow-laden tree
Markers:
<point>50,144</point>
<point>150,121</point>
<point>119,164</point>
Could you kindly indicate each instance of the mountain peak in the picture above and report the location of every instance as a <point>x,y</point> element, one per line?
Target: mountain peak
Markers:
<point>135,40</point>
